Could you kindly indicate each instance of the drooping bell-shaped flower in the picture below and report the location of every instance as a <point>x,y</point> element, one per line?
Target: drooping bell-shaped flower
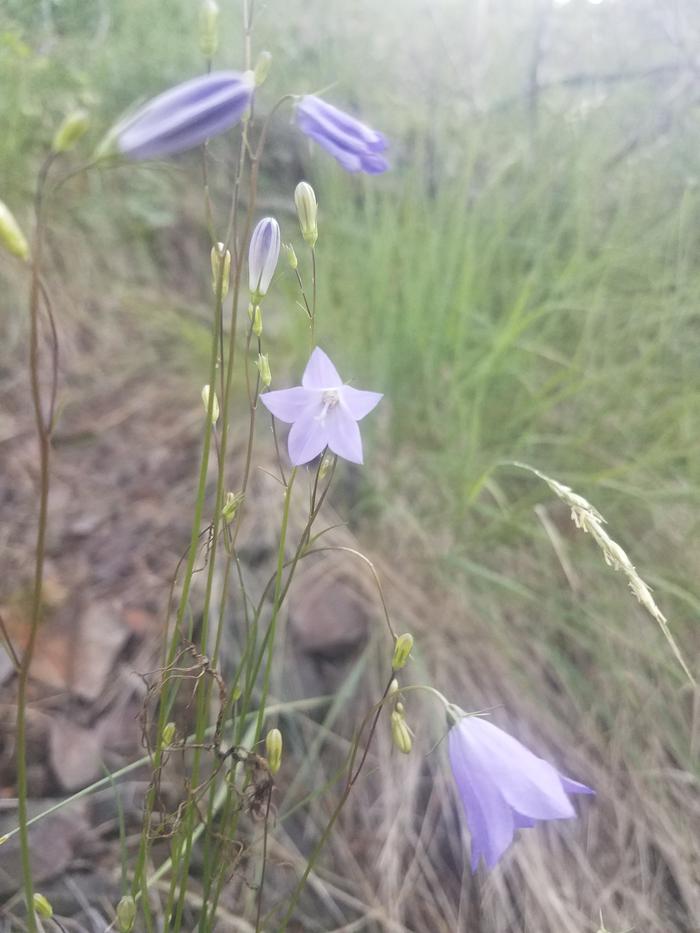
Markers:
<point>263,254</point>
<point>355,146</point>
<point>323,412</point>
<point>186,115</point>
<point>503,786</point>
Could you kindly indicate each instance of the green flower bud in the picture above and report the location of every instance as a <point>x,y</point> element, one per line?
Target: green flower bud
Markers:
<point>208,28</point>
<point>400,733</point>
<point>273,750</point>
<point>291,255</point>
<point>11,236</point>
<point>215,404</point>
<point>168,733</point>
<point>262,67</point>
<point>70,131</point>
<point>325,466</point>
<point>257,321</point>
<point>402,650</point>
<point>43,907</point>
<point>231,504</point>
<point>263,365</point>
<point>219,255</point>
<point>126,914</point>
<point>393,687</point>
<point>307,209</point>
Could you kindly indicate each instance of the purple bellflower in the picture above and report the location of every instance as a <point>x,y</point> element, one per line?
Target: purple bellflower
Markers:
<point>503,786</point>
<point>186,115</point>
<point>263,254</point>
<point>357,147</point>
<point>323,412</point>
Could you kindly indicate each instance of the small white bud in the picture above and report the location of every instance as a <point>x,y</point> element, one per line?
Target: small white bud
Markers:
<point>208,28</point>
<point>262,67</point>
<point>220,255</point>
<point>263,365</point>
<point>73,127</point>
<point>11,237</point>
<point>307,211</point>
<point>215,404</point>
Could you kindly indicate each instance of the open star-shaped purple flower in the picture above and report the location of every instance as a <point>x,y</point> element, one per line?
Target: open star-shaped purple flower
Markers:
<point>323,412</point>
<point>503,786</point>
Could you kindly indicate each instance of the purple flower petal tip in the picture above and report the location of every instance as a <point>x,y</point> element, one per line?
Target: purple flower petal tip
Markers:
<point>503,787</point>
<point>186,115</point>
<point>323,412</point>
<point>354,145</point>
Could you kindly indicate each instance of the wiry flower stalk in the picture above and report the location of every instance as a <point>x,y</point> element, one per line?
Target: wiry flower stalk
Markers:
<point>586,517</point>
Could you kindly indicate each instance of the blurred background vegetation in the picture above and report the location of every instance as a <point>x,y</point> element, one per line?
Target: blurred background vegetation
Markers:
<point>524,285</point>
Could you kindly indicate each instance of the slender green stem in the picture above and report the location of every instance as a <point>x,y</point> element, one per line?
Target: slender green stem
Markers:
<point>43,429</point>
<point>277,600</point>
<point>313,299</point>
<point>139,875</point>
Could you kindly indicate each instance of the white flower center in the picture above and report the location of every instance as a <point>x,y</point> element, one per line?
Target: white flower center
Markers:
<point>329,398</point>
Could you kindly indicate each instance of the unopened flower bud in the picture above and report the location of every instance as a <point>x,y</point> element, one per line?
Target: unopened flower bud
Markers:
<point>262,256</point>
<point>42,906</point>
<point>325,466</point>
<point>307,210</point>
<point>11,237</point>
<point>257,321</point>
<point>220,256</point>
<point>168,733</point>
<point>208,28</point>
<point>273,750</point>
<point>71,130</point>
<point>393,688</point>
<point>402,650</point>
<point>231,504</point>
<point>126,914</point>
<point>262,67</point>
<point>400,733</point>
<point>291,256</point>
<point>214,404</point>
<point>263,365</point>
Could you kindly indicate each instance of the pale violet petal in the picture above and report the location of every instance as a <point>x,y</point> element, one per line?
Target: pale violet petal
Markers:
<point>527,783</point>
<point>320,373</point>
<point>307,438</point>
<point>359,402</point>
<point>574,787</point>
<point>290,404</point>
<point>489,818</point>
<point>263,254</point>
<point>343,434</point>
